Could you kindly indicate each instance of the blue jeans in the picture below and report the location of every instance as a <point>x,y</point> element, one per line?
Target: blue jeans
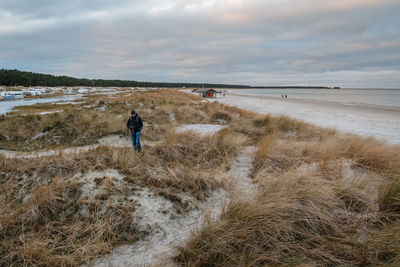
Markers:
<point>136,141</point>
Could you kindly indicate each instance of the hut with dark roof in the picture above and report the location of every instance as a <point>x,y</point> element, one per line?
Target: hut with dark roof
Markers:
<point>207,92</point>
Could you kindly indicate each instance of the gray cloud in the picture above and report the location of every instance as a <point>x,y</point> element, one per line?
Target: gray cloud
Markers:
<point>353,42</point>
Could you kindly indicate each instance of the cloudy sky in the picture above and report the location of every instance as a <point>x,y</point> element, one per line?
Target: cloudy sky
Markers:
<point>348,43</point>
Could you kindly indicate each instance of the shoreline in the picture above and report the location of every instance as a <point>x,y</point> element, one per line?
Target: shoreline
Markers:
<point>380,122</point>
<point>10,106</point>
<point>325,102</point>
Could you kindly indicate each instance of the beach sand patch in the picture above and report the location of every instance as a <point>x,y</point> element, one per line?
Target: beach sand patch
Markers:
<point>203,129</point>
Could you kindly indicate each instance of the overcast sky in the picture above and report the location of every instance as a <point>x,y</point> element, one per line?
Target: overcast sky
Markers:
<point>348,43</point>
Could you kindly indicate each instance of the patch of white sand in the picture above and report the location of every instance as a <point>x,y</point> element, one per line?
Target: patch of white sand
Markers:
<point>377,121</point>
<point>89,186</point>
<point>169,229</point>
<point>39,113</point>
<point>45,153</point>
<point>203,129</point>
<point>115,141</point>
<point>242,186</point>
<point>40,135</point>
<point>48,112</point>
<point>68,103</point>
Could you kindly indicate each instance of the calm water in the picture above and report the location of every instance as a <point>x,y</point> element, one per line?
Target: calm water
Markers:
<point>382,97</point>
<point>7,106</point>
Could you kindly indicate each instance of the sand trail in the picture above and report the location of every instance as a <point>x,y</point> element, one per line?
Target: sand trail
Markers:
<point>112,141</point>
<point>169,229</point>
<point>242,186</point>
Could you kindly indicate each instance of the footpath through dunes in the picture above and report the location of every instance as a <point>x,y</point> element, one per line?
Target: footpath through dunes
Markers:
<point>242,186</point>
<point>111,141</point>
<point>365,120</point>
<point>160,246</point>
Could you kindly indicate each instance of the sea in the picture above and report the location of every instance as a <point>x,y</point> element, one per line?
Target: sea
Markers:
<point>9,105</point>
<point>380,97</point>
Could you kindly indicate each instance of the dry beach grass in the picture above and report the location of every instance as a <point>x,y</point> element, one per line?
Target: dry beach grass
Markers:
<point>325,199</point>
<point>324,202</point>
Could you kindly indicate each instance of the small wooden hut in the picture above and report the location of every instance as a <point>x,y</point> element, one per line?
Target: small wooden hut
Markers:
<point>207,92</point>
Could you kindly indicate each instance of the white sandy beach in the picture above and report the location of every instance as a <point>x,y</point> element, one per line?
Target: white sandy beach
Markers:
<point>365,120</point>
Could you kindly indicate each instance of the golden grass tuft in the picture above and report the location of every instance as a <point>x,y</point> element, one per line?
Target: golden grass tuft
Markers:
<point>354,199</point>
<point>197,152</point>
<point>386,242</point>
<point>389,196</point>
<point>183,179</point>
<point>221,116</point>
<point>48,228</point>
<point>276,156</point>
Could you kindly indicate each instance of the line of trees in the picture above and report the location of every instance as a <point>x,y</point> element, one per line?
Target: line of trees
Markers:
<point>24,78</point>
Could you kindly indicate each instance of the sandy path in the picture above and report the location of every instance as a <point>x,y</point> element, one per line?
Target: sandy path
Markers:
<point>112,140</point>
<point>365,120</point>
<point>169,230</point>
<point>243,188</point>
<point>158,248</point>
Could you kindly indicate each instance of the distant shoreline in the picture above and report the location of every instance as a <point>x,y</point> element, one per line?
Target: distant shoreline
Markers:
<point>382,122</point>
<point>321,102</point>
<point>292,87</point>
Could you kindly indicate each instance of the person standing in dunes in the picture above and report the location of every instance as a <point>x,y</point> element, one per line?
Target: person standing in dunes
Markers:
<point>135,124</point>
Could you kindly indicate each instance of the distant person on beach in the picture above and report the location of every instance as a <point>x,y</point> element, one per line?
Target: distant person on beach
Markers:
<point>285,96</point>
<point>135,124</point>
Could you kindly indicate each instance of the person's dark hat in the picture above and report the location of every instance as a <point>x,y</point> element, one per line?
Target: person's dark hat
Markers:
<point>133,111</point>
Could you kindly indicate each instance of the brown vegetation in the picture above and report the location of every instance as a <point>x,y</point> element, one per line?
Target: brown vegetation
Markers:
<point>48,219</point>
<point>320,203</point>
<point>84,124</point>
<point>326,199</point>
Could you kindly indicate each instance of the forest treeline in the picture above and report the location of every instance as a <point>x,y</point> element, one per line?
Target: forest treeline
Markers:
<point>24,78</point>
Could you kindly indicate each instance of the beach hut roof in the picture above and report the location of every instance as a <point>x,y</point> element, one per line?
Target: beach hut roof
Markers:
<point>210,90</point>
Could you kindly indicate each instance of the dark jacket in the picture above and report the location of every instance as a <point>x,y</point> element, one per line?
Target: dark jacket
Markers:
<point>135,124</point>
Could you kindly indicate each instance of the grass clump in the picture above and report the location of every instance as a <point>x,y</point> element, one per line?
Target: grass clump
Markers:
<point>201,153</point>
<point>386,242</point>
<point>289,224</point>
<point>47,226</point>
<point>389,197</point>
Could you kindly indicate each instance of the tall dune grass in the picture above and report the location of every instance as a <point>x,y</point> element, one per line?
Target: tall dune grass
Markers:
<point>300,219</point>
